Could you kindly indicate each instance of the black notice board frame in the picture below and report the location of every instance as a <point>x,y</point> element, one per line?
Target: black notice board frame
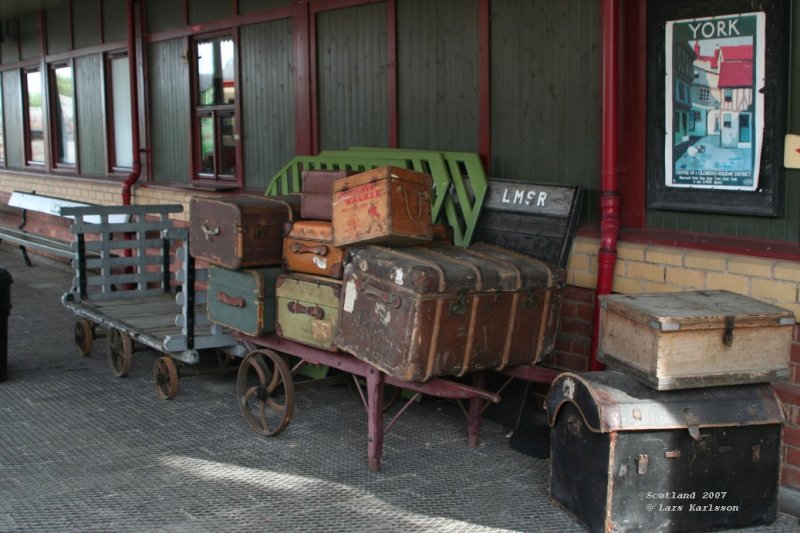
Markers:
<point>768,199</point>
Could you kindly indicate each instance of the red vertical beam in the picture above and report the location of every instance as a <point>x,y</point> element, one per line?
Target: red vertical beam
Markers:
<point>70,36</point>
<point>609,199</point>
<point>312,69</point>
<point>375,382</point>
<point>633,84</point>
<point>238,99</point>
<point>133,177</point>
<point>484,85</point>
<point>47,122</point>
<point>391,68</point>
<point>302,80</point>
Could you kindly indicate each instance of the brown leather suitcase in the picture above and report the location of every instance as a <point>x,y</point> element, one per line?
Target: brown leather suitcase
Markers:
<point>420,312</point>
<point>240,231</point>
<point>308,248</point>
<point>317,195</point>
<point>386,205</point>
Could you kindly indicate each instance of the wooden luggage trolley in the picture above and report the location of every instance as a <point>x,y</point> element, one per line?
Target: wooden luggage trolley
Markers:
<point>123,282</point>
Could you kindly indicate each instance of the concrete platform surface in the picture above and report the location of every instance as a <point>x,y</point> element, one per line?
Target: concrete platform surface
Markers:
<point>81,450</point>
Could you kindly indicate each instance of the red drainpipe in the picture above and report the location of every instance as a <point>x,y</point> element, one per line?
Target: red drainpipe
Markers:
<point>136,170</point>
<point>609,198</point>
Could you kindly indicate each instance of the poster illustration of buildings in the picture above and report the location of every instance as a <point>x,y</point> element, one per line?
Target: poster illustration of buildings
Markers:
<point>714,103</point>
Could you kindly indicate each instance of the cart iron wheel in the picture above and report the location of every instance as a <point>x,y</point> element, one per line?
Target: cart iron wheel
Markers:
<point>265,390</point>
<point>119,352</point>
<point>165,377</point>
<point>84,336</point>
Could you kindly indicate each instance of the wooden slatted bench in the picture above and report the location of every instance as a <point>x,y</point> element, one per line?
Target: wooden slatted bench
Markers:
<point>30,201</point>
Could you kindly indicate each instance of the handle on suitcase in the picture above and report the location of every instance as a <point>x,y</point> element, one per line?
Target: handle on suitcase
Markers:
<point>209,232</point>
<point>384,296</point>
<point>227,299</point>
<point>300,248</point>
<point>300,309</point>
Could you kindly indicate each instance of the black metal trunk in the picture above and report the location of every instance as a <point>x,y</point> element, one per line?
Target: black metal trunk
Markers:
<point>626,458</point>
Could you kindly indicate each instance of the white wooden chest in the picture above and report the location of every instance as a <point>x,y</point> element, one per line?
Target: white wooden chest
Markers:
<point>695,339</point>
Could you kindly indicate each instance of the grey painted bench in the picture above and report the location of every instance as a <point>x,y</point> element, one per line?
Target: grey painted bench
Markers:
<point>30,201</point>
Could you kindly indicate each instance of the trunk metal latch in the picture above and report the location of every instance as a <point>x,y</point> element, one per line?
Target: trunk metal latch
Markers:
<point>727,337</point>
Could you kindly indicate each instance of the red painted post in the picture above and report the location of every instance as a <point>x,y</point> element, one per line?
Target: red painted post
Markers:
<point>302,80</point>
<point>484,85</point>
<point>609,197</point>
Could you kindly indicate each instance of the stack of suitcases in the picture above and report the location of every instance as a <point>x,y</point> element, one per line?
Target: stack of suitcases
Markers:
<point>354,263</point>
<point>684,431</point>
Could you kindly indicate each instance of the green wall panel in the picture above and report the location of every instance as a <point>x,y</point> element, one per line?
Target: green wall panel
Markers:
<point>164,14</point>
<point>9,48</point>
<point>351,77</point>
<point>267,88</point>
<point>29,42</point>
<point>12,119</point>
<point>57,22</point>
<point>85,23</point>
<point>250,6</point>
<point>786,227</point>
<point>91,119</point>
<point>205,10</point>
<point>169,111</point>
<point>546,93</point>
<point>438,74</point>
<point>114,21</point>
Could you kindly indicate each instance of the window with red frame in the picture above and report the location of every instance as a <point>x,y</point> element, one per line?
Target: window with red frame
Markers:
<point>215,109</point>
<point>62,115</point>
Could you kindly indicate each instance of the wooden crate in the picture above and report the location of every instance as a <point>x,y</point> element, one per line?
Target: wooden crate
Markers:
<point>387,205</point>
<point>695,339</point>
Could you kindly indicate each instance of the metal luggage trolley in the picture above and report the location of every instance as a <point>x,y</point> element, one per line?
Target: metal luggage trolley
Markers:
<point>124,282</point>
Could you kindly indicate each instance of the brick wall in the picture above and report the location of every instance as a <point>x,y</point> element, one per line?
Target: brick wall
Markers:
<point>575,329</point>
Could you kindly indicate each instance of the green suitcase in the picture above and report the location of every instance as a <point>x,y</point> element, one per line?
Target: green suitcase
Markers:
<point>243,300</point>
<point>308,309</point>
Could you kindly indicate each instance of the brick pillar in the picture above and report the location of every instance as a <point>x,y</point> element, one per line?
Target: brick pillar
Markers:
<point>789,394</point>
<point>575,331</point>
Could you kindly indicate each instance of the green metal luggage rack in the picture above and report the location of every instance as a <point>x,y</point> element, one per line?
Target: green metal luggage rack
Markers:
<point>459,181</point>
<point>288,178</point>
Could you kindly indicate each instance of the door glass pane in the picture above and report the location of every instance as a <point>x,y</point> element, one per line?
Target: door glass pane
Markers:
<point>33,82</point>
<point>215,71</point>
<point>121,105</point>
<point>228,148</point>
<point>64,116</point>
<point>207,145</point>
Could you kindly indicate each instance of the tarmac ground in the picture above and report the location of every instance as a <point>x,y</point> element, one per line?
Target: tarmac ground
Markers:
<point>81,450</point>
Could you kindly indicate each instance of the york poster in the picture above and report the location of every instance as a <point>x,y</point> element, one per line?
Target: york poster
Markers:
<point>715,73</point>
